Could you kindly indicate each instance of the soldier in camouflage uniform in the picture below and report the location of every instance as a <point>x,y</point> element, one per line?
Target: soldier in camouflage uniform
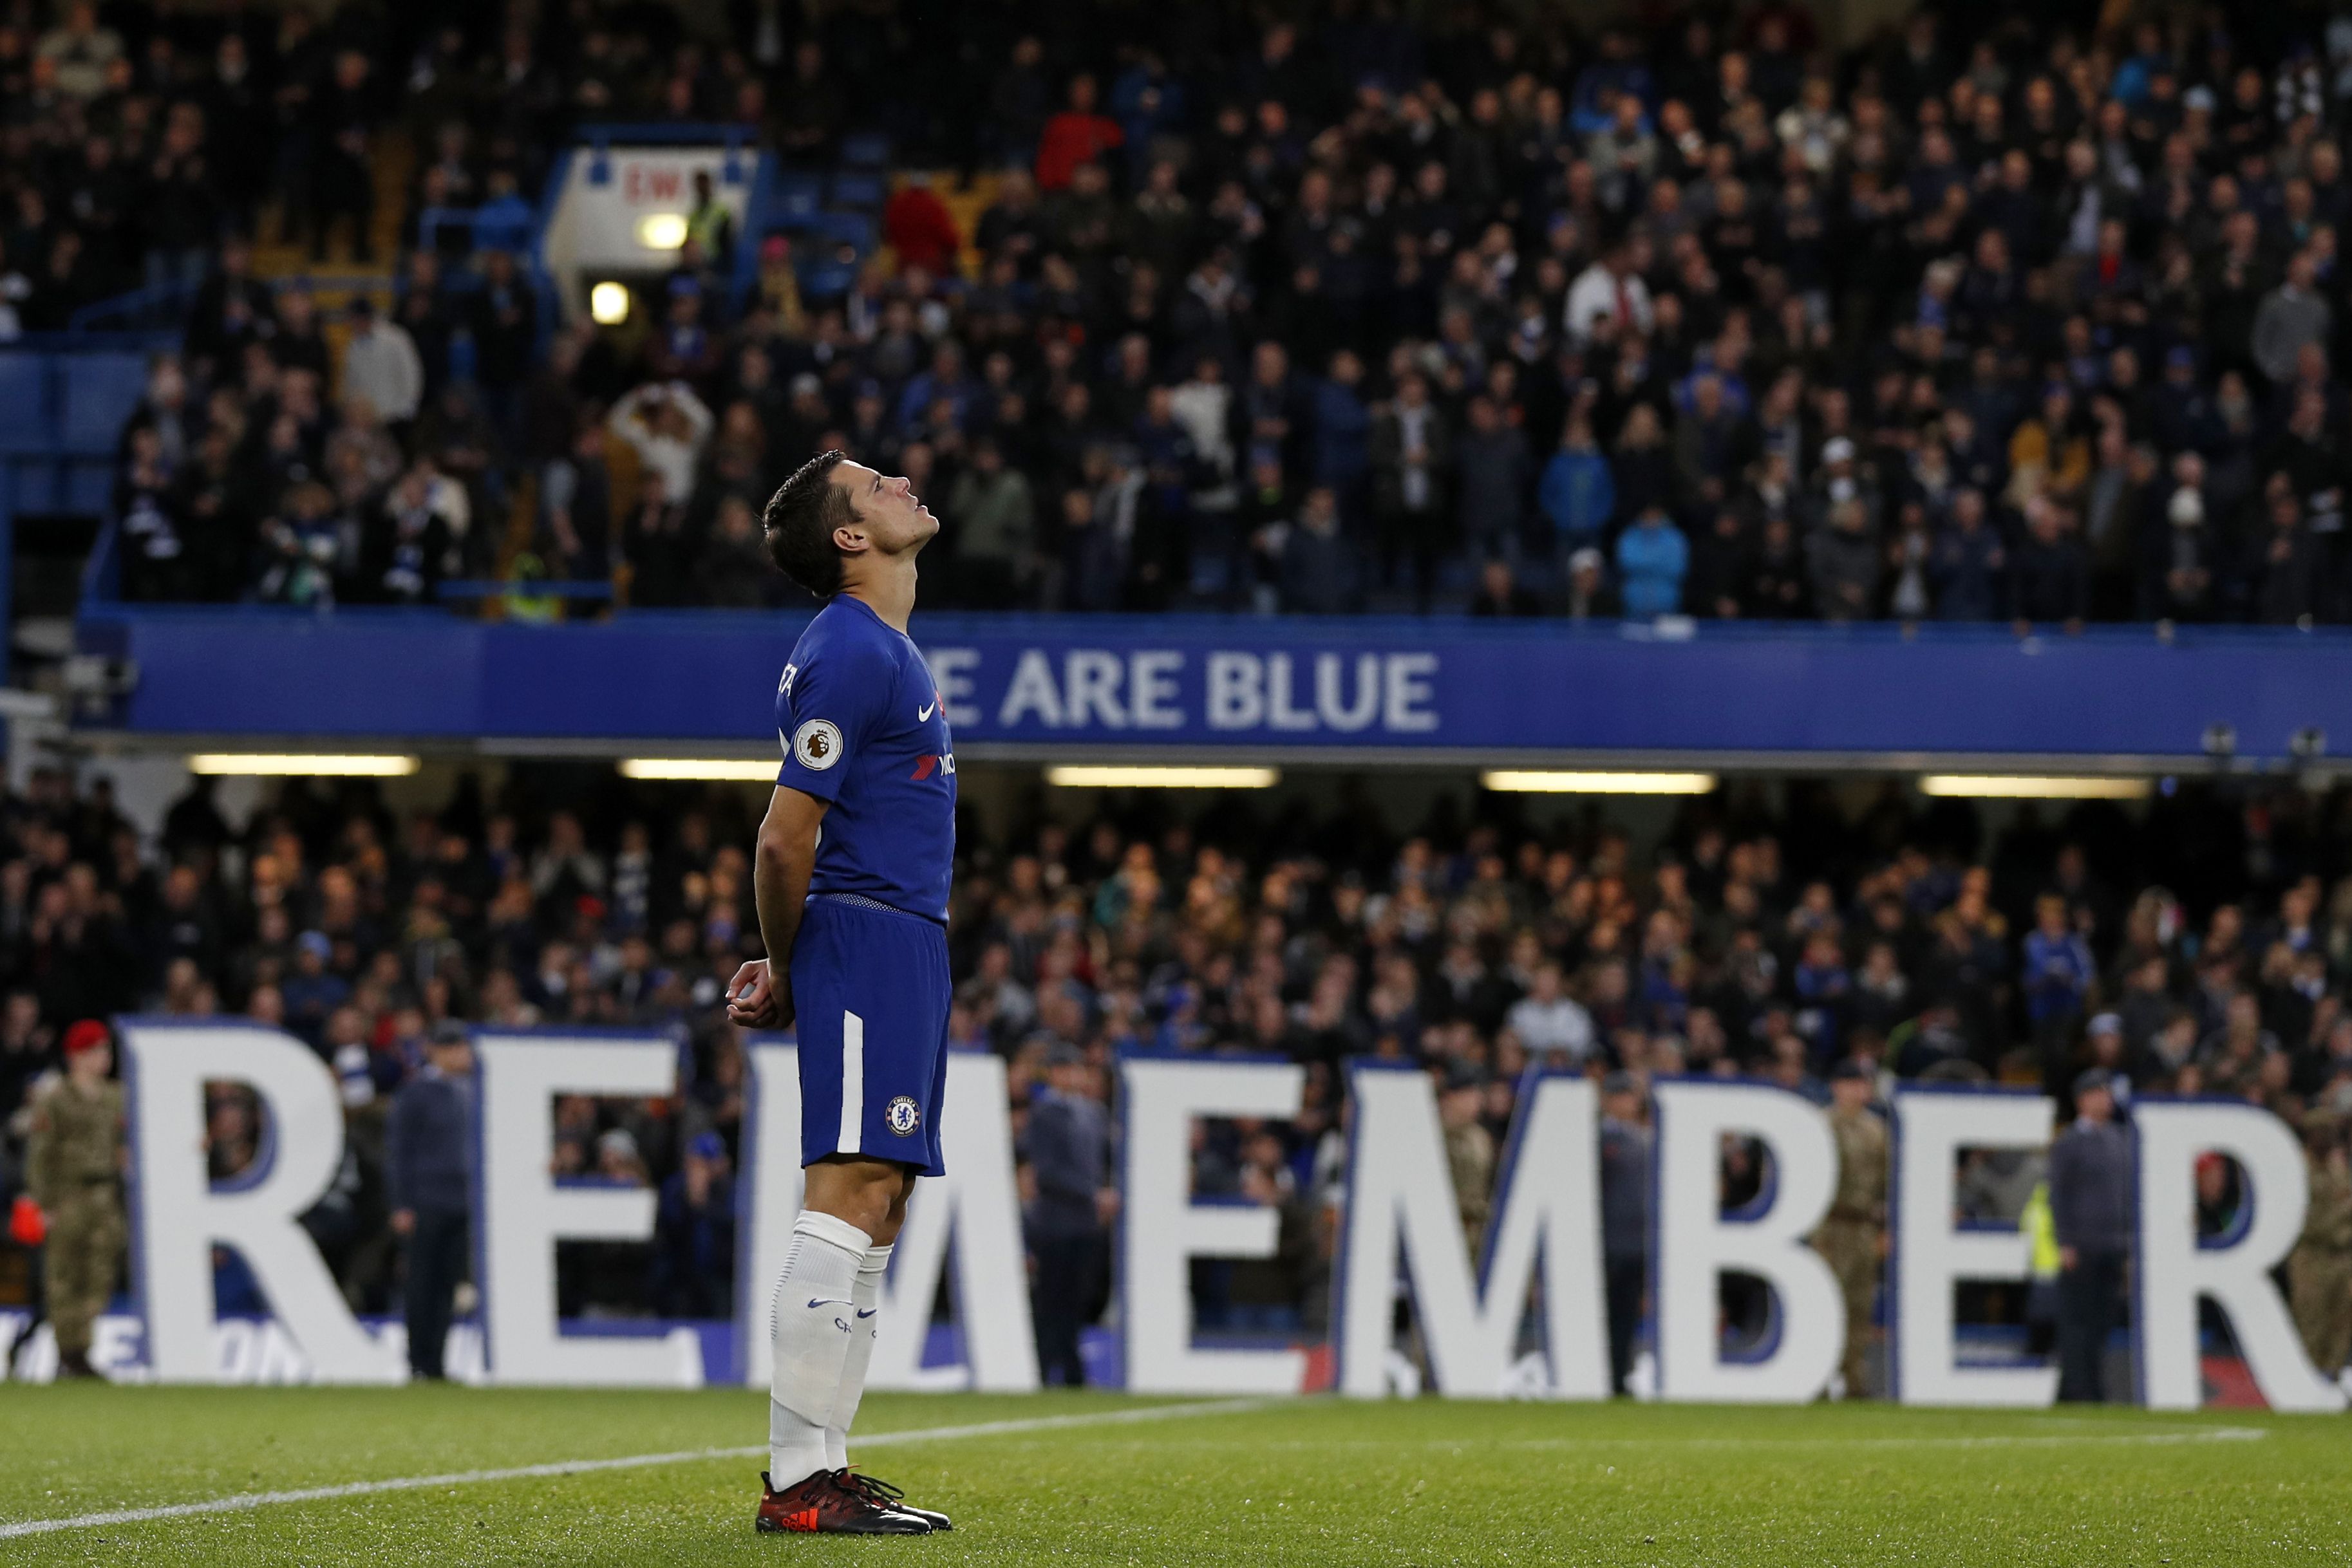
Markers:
<point>1469,1157</point>
<point>1852,1240</point>
<point>2319,1271</point>
<point>74,1170</point>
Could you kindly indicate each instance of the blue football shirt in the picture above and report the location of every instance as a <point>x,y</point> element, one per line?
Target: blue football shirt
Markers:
<point>862,725</point>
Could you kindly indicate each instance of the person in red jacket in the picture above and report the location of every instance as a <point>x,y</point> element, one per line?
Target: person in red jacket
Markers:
<point>919,226</point>
<point>1076,135</point>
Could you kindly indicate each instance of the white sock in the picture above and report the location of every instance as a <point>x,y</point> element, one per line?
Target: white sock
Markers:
<point>813,1336</point>
<point>864,1297</point>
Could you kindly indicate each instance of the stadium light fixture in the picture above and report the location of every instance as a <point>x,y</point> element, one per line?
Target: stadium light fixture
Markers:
<point>662,231</point>
<point>608,304</point>
<point>721,770</point>
<point>301,765</point>
<point>1509,781</point>
<point>1098,777</point>
<point>2032,786</point>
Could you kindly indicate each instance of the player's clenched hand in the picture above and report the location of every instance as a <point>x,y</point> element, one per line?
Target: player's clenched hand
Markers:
<point>755,1000</point>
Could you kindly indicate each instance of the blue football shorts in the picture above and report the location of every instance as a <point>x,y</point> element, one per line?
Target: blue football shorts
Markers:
<point>870,995</point>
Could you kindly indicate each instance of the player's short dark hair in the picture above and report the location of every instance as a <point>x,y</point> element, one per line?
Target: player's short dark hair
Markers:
<point>800,520</point>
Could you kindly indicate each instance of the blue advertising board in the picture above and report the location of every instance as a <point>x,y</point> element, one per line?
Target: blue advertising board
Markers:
<point>1259,688</point>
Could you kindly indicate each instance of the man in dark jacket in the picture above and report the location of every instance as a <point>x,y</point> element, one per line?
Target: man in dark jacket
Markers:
<point>1496,473</point>
<point>2283,559</point>
<point>1319,562</point>
<point>2050,578</point>
<point>1844,558</point>
<point>505,323</point>
<point>1069,1149</point>
<point>1967,563</point>
<point>2091,1210</point>
<point>694,1234</point>
<point>429,1173</point>
<point>1624,1216</point>
<point>1412,458</point>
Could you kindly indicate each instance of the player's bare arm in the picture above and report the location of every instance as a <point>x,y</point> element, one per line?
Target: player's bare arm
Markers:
<point>760,995</point>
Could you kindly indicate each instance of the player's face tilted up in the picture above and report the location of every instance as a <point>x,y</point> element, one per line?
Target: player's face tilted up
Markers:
<point>892,520</point>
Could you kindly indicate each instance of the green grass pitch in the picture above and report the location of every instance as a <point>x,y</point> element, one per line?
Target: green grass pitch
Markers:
<point>1293,1481</point>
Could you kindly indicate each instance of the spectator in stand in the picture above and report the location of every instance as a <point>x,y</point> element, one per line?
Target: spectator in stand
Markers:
<point>1610,297</point>
<point>1589,594</point>
<point>2293,317</point>
<point>504,322</point>
<point>1967,563</point>
<point>1020,101</point>
<point>1578,493</point>
<point>810,107</point>
<point>1652,558</point>
<point>995,531</point>
<point>1845,564</point>
<point>1496,474</point>
<point>659,546</point>
<point>2282,572</point>
<point>380,365</point>
<point>667,424</point>
<point>180,208</point>
<point>1550,1023</point>
<point>711,224</point>
<point>341,113</point>
<point>727,574</point>
<point>1411,451</point>
<point>410,541</point>
<point>1502,594</point>
<point>2049,578</point>
<point>1078,136</point>
<point>80,52</point>
<point>916,224</point>
<point>1318,561</point>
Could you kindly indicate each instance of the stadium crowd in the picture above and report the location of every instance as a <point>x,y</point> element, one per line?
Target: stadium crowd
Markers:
<point>1781,938</point>
<point>1996,317</point>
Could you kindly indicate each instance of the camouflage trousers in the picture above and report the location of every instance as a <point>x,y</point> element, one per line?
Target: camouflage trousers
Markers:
<point>2319,1287</point>
<point>1850,1247</point>
<point>85,1245</point>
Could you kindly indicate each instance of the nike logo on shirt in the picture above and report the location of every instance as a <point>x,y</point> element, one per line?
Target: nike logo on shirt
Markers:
<point>923,715</point>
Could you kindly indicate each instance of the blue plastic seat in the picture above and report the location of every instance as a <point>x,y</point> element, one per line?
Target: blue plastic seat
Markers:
<point>855,189</point>
<point>799,195</point>
<point>96,393</point>
<point>89,488</point>
<point>826,280</point>
<point>39,489</point>
<point>866,149</point>
<point>854,229</point>
<point>25,421</point>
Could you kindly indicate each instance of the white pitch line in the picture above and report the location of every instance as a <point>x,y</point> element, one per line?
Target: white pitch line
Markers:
<point>1986,1440</point>
<point>1897,1440</point>
<point>245,1501</point>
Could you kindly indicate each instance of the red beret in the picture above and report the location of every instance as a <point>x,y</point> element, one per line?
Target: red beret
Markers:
<point>85,1036</point>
